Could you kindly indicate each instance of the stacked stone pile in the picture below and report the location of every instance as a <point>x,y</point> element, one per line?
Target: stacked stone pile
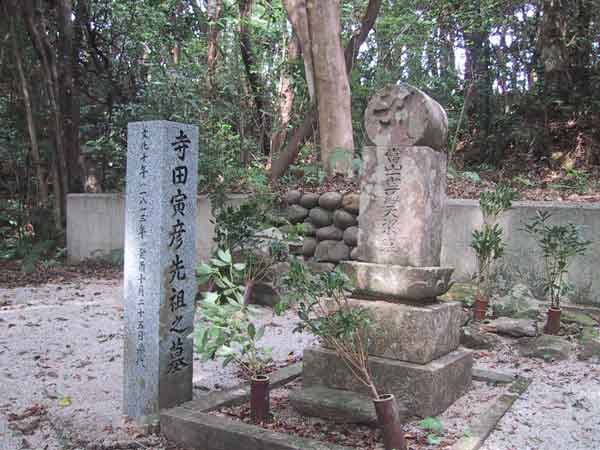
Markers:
<point>330,224</point>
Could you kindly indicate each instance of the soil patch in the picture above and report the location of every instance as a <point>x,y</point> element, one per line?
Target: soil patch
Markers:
<point>450,426</point>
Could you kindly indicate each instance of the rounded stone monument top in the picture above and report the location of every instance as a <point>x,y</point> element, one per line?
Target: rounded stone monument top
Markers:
<point>401,114</point>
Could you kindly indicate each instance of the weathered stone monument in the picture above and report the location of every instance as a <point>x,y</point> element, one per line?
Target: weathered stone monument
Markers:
<point>160,261</point>
<point>414,344</point>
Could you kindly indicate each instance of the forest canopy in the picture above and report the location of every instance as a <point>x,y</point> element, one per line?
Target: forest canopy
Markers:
<point>520,82</point>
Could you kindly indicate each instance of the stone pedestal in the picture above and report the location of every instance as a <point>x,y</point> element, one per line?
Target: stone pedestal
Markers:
<point>397,283</point>
<point>423,389</point>
<point>411,333</point>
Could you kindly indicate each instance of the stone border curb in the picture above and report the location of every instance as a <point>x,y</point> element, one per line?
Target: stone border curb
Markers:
<point>191,426</point>
<point>483,425</point>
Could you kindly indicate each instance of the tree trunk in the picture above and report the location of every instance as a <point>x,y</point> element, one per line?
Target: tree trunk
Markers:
<point>35,21</point>
<point>553,51</point>
<point>286,97</point>
<point>331,87</point>
<point>42,182</point>
<point>298,17</point>
<point>304,130</point>
<point>245,7</point>
<point>69,97</point>
<point>215,9</point>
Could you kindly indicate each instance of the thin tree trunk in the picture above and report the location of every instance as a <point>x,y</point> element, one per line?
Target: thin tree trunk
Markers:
<point>69,97</point>
<point>215,9</point>
<point>42,193</point>
<point>286,96</point>
<point>245,7</point>
<point>298,17</point>
<point>44,50</point>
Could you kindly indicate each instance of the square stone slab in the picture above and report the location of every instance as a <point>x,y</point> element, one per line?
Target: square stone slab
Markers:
<point>424,389</point>
<point>413,333</point>
<point>397,283</point>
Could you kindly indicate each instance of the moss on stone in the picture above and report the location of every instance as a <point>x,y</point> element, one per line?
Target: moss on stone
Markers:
<point>578,318</point>
<point>461,292</point>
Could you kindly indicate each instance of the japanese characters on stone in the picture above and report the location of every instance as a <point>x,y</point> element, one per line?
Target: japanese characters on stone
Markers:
<point>178,271</point>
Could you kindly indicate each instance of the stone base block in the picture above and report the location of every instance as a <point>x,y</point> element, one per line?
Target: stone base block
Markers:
<point>417,334</point>
<point>425,390</point>
<point>398,283</point>
<point>334,404</point>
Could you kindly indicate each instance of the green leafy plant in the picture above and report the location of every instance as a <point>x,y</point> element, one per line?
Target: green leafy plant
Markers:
<point>435,428</point>
<point>224,278</point>
<point>487,242</point>
<point>227,330</point>
<point>559,245</point>
<point>324,310</point>
<point>576,180</point>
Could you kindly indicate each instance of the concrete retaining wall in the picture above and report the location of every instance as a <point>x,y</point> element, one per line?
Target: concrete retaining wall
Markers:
<point>95,224</point>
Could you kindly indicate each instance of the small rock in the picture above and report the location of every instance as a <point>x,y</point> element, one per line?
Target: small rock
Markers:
<point>474,338</point>
<point>513,327</point>
<point>589,344</point>
<point>336,405</point>
<point>297,213</point>
<point>578,318</point>
<point>332,251</point>
<point>350,202</point>
<point>351,236</point>
<point>547,347</point>
<point>519,303</point>
<point>309,246</point>
<point>461,292</point>
<point>343,219</point>
<point>278,269</point>
<point>309,200</point>
<point>308,229</point>
<point>287,229</point>
<point>354,254</point>
<point>330,233</point>
<point>330,200</point>
<point>320,217</point>
<point>320,267</point>
<point>265,294</point>
<point>293,197</point>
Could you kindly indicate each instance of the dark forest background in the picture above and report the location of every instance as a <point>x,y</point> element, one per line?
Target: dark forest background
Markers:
<point>520,81</point>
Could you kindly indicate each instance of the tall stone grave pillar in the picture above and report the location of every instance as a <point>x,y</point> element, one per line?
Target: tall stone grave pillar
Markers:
<point>160,261</point>
<point>414,339</point>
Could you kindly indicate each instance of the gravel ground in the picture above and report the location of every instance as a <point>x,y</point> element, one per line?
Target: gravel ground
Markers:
<point>61,347</point>
<point>61,358</point>
<point>559,411</point>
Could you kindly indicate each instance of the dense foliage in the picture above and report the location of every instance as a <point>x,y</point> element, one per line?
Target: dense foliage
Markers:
<point>517,78</point>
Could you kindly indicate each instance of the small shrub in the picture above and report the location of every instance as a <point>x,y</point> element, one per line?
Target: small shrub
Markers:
<point>559,245</point>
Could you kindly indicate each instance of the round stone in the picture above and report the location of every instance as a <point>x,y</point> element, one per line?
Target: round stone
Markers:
<point>329,233</point>
<point>297,213</point>
<point>343,219</point>
<point>354,254</point>
<point>401,114</point>
<point>351,236</point>
<point>330,200</point>
<point>320,217</point>
<point>309,246</point>
<point>293,197</point>
<point>308,229</point>
<point>309,200</point>
<point>351,202</point>
<point>332,251</point>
